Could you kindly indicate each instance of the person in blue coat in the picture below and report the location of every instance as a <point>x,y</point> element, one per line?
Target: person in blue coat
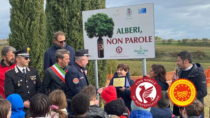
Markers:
<point>124,91</point>
<point>158,72</point>
<point>59,43</point>
<point>76,77</point>
<point>17,106</point>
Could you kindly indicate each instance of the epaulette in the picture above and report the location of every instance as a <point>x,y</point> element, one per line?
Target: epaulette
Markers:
<point>30,67</point>
<point>10,70</point>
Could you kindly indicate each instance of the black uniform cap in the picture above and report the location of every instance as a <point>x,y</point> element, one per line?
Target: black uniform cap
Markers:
<point>23,52</point>
<point>82,52</point>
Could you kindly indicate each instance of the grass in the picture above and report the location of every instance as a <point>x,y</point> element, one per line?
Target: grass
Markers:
<point>177,48</point>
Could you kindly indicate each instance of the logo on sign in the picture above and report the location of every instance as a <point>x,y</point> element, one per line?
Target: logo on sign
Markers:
<point>129,13</point>
<point>141,51</point>
<point>182,92</point>
<point>117,14</point>
<point>119,49</point>
<point>145,92</point>
<point>142,10</point>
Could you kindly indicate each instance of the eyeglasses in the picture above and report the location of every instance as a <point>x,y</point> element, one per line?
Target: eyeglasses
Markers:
<point>26,58</point>
<point>62,41</point>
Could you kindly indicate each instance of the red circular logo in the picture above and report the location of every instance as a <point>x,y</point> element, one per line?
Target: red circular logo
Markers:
<point>145,92</point>
<point>119,49</point>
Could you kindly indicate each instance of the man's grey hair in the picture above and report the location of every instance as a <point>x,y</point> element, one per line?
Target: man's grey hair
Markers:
<point>59,54</point>
<point>77,58</point>
<point>6,49</point>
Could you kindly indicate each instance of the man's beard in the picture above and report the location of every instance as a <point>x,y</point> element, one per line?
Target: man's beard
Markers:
<point>10,62</point>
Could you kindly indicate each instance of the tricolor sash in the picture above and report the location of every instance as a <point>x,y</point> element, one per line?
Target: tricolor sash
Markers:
<point>60,72</point>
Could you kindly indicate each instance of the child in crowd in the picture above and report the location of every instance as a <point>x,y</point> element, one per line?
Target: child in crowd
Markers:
<point>5,109</point>
<point>80,105</point>
<point>17,106</point>
<point>90,92</point>
<point>39,106</point>
<point>139,112</point>
<point>124,91</point>
<point>161,110</point>
<point>114,106</point>
<point>194,110</point>
<point>59,104</point>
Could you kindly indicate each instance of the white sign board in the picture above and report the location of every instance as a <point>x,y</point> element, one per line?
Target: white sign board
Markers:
<point>120,33</point>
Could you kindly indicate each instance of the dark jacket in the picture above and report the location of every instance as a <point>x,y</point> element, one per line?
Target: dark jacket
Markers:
<point>52,81</point>
<point>75,79</point>
<point>126,94</point>
<point>164,85</point>
<point>96,110</point>
<point>17,106</point>
<point>198,78</point>
<point>26,85</point>
<point>161,112</point>
<point>140,114</point>
<point>49,55</point>
<point>117,107</point>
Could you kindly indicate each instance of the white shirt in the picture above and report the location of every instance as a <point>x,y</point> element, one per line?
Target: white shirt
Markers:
<point>188,68</point>
<point>21,69</point>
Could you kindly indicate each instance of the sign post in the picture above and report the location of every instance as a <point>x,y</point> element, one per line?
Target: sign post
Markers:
<point>96,76</point>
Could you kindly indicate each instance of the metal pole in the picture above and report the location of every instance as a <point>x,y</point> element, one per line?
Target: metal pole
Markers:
<point>144,67</point>
<point>96,76</point>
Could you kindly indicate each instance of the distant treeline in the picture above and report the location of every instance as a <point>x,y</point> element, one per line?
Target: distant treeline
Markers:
<point>186,41</point>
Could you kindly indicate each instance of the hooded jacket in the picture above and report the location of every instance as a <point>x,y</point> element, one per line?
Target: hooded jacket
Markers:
<point>49,55</point>
<point>161,112</point>
<point>17,106</point>
<point>95,110</point>
<point>164,85</point>
<point>117,107</point>
<point>140,114</point>
<point>126,94</point>
<point>198,78</point>
<point>3,69</point>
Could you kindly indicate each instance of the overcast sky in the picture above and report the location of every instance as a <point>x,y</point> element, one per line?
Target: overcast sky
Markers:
<point>176,19</point>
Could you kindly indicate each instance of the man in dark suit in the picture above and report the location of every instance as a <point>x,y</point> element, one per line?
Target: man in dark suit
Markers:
<point>22,80</point>
<point>59,40</point>
<point>54,76</point>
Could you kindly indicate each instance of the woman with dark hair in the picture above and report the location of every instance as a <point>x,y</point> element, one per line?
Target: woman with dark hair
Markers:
<point>39,106</point>
<point>158,72</point>
<point>123,91</point>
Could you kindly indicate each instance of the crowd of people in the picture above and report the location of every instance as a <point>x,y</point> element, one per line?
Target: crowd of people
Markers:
<point>65,90</point>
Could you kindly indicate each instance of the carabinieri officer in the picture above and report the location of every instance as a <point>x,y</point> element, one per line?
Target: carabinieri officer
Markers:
<point>22,80</point>
<point>76,77</point>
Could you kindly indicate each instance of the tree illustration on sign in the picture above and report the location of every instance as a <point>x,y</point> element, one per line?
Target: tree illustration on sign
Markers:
<point>99,25</point>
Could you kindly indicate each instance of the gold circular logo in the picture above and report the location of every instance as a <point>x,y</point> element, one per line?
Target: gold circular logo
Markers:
<point>182,92</point>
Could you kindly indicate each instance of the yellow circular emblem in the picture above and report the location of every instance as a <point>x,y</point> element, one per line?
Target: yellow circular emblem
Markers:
<point>182,92</point>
